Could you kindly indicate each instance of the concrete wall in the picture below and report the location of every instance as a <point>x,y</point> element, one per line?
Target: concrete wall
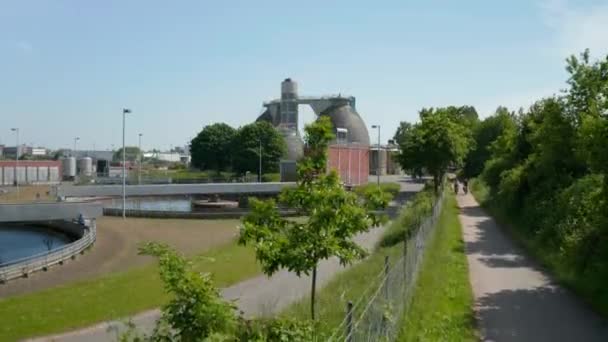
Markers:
<point>351,162</point>
<point>172,189</point>
<point>48,211</point>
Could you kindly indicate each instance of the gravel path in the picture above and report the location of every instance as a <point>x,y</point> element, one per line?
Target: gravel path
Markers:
<point>259,296</point>
<point>515,300</point>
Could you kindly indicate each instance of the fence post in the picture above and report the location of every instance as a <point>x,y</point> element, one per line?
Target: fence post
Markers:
<point>349,321</point>
<point>386,277</point>
<point>405,238</point>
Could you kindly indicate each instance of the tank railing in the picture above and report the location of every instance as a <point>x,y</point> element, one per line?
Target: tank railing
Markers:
<point>42,261</point>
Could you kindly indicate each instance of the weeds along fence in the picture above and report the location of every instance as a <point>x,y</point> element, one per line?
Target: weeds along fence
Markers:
<point>377,314</point>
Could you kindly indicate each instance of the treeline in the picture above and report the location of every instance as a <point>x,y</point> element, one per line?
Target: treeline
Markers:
<point>220,147</point>
<point>546,167</point>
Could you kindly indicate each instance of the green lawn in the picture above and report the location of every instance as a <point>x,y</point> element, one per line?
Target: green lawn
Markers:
<point>441,308</point>
<point>114,296</point>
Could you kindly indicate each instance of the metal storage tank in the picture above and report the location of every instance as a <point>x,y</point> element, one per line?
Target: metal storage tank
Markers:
<point>85,166</point>
<point>345,116</point>
<point>69,167</point>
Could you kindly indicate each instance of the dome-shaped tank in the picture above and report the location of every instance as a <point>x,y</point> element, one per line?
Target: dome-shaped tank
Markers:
<point>344,116</point>
<point>295,145</point>
<point>85,166</point>
<point>69,167</point>
<point>267,116</point>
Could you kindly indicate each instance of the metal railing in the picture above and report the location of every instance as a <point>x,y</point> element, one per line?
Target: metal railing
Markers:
<point>378,313</point>
<point>42,261</point>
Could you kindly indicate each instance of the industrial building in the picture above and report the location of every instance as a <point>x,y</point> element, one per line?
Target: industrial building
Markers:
<point>349,153</point>
<point>10,151</point>
<point>383,159</point>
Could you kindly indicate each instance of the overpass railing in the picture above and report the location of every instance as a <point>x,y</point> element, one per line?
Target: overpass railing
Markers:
<point>42,261</point>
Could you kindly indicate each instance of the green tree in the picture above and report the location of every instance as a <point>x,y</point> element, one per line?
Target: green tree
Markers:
<point>334,216</point>
<point>246,148</point>
<point>438,141</point>
<point>132,154</point>
<point>211,149</point>
<point>403,132</point>
<point>484,134</point>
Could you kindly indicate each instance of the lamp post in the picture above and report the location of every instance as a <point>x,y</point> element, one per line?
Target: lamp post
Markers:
<point>140,159</point>
<point>74,150</point>
<point>16,130</point>
<point>260,164</point>
<point>125,111</point>
<point>378,155</point>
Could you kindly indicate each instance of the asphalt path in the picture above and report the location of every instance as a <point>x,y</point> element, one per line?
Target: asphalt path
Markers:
<point>515,299</point>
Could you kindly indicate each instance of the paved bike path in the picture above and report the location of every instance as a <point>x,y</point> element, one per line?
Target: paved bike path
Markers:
<point>515,299</point>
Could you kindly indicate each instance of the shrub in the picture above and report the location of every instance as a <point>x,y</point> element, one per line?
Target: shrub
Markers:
<point>409,217</point>
<point>391,188</point>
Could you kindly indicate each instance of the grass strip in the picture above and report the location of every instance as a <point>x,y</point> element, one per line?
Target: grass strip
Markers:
<point>113,296</point>
<point>442,304</point>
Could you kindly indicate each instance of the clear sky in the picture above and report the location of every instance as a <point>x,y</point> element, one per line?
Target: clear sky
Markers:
<point>67,68</point>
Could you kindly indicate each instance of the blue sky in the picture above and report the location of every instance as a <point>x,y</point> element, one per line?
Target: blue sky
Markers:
<point>67,68</point>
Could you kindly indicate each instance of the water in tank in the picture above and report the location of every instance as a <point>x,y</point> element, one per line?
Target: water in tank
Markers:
<point>69,167</point>
<point>85,166</point>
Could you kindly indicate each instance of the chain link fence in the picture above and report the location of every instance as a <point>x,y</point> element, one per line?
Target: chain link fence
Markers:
<point>377,314</point>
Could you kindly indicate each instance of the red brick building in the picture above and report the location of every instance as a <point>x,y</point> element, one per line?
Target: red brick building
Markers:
<point>351,161</point>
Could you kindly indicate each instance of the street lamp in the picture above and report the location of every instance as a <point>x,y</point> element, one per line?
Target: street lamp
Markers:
<point>16,130</point>
<point>260,164</point>
<point>378,154</point>
<point>125,111</point>
<point>140,159</point>
<point>74,151</point>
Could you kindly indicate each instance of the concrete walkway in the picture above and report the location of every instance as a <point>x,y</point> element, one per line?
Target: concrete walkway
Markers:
<point>515,300</point>
<point>260,296</point>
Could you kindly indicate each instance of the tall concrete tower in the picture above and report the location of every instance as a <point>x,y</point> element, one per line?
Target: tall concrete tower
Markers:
<point>289,105</point>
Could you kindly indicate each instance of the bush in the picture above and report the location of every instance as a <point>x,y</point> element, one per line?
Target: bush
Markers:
<point>271,177</point>
<point>409,217</point>
<point>270,330</point>
<point>391,188</point>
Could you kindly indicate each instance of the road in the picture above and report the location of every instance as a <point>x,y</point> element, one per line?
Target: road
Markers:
<point>259,296</point>
<point>515,299</point>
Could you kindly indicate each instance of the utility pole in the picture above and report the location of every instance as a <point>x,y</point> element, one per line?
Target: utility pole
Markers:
<point>16,130</point>
<point>378,155</point>
<point>124,162</point>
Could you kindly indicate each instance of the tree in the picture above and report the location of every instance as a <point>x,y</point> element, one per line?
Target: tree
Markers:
<point>438,141</point>
<point>132,154</point>
<point>246,148</point>
<point>403,132</point>
<point>484,134</point>
<point>212,149</point>
<point>334,216</point>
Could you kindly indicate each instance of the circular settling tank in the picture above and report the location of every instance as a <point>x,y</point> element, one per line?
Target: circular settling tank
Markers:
<point>22,241</point>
